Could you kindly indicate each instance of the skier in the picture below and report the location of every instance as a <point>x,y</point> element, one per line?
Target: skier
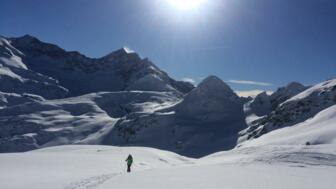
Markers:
<point>129,161</point>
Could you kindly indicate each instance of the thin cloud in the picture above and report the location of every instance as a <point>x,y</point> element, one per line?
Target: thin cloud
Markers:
<point>190,80</point>
<point>245,82</point>
<point>251,93</point>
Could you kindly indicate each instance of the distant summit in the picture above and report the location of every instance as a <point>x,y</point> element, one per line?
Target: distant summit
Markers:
<point>212,100</point>
<point>263,103</point>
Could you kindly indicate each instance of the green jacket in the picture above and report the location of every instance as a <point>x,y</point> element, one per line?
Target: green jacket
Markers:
<point>129,160</point>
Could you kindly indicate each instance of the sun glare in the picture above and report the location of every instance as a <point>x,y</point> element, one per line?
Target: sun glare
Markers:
<point>186,4</point>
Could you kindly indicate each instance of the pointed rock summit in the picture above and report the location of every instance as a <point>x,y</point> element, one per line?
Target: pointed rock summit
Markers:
<point>123,55</point>
<point>212,101</point>
<point>212,85</point>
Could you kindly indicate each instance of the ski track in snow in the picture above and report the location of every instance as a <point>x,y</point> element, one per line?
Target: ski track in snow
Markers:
<point>303,159</point>
<point>91,182</point>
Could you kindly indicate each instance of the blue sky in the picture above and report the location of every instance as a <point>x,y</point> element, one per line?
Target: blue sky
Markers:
<point>251,44</point>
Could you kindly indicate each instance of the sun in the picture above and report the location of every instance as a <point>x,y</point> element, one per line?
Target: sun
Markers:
<point>186,4</point>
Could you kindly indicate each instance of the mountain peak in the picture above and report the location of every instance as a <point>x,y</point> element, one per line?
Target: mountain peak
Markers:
<point>123,52</point>
<point>212,78</point>
<point>289,90</point>
<point>295,85</point>
<point>127,50</point>
<point>213,83</point>
<point>26,38</point>
<point>262,95</point>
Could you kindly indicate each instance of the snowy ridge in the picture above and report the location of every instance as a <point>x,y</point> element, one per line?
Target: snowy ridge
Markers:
<point>81,75</point>
<point>295,110</point>
<point>264,104</point>
<point>327,86</point>
<point>284,93</point>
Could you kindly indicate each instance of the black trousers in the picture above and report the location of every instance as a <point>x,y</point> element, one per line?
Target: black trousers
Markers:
<point>128,168</point>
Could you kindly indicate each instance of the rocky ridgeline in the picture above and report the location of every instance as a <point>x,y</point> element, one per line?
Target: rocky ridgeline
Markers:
<point>294,110</point>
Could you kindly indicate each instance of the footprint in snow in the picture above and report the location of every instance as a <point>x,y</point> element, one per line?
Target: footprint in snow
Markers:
<point>91,182</point>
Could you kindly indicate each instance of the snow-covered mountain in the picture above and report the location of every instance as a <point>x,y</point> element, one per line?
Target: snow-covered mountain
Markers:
<point>117,71</point>
<point>49,97</point>
<point>155,119</point>
<point>263,103</point>
<point>295,110</point>
<point>208,119</point>
<point>144,106</point>
<point>211,101</point>
<point>300,156</point>
<point>33,72</point>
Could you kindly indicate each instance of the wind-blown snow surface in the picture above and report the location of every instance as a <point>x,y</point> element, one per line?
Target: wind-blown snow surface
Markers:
<point>102,167</point>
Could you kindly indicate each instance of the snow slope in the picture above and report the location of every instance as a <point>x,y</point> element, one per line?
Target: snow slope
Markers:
<point>102,167</point>
<point>15,77</point>
<point>321,129</point>
<point>83,119</point>
<point>12,99</point>
<point>71,167</point>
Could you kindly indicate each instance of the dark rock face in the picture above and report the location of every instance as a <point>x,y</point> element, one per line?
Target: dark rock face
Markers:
<point>261,105</point>
<point>284,93</point>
